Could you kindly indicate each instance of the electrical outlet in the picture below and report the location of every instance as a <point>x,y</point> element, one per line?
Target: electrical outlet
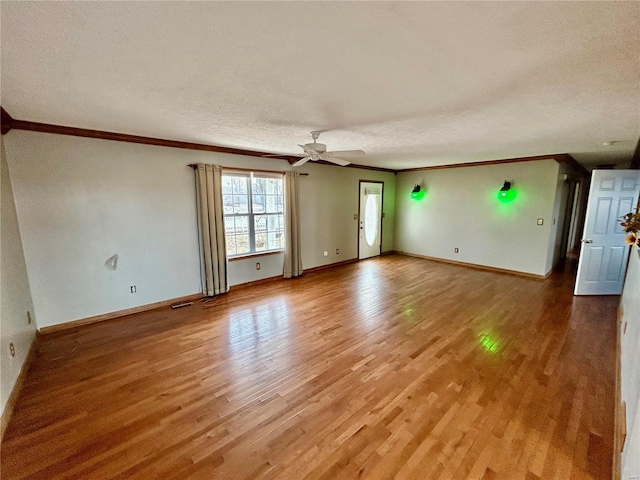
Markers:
<point>355,216</point>
<point>133,289</point>
<point>28,317</point>
<point>12,350</point>
<point>540,221</point>
<point>337,251</point>
<point>325,253</point>
<point>456,250</point>
<point>257,265</point>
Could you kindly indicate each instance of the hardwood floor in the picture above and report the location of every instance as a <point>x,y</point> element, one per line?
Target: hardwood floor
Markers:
<point>389,368</point>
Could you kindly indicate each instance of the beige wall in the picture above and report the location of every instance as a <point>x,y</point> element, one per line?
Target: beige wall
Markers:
<point>329,201</point>
<point>81,200</point>
<point>460,209</point>
<point>15,296</point>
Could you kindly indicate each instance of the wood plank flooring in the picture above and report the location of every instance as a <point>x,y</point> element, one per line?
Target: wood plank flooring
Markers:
<point>394,367</point>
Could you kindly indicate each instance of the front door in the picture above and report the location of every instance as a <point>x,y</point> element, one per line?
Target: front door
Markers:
<point>370,221</point>
<point>603,256</point>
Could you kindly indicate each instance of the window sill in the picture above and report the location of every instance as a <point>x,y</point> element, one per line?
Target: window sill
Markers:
<point>254,255</point>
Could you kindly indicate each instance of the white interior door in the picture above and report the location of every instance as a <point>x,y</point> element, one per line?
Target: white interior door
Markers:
<point>603,255</point>
<point>370,220</point>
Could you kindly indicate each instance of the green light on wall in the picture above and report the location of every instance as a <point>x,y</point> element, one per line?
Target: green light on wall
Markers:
<point>417,193</point>
<point>506,193</point>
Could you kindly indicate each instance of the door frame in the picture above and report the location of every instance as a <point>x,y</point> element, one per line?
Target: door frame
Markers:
<point>572,234</point>
<point>360,182</point>
<point>572,186</point>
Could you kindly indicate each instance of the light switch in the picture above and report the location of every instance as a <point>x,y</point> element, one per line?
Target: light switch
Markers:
<point>540,221</point>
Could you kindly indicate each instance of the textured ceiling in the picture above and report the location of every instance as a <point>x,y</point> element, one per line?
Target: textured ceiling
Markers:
<point>413,84</point>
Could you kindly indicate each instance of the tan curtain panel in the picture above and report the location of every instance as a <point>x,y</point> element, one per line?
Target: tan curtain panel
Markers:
<point>211,216</point>
<point>292,247</point>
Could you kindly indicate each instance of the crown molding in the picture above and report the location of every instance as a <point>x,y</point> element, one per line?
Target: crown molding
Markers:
<point>6,122</point>
<point>558,157</point>
<point>9,123</point>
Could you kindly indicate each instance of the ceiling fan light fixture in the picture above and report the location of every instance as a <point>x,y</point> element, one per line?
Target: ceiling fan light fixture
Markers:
<point>318,151</point>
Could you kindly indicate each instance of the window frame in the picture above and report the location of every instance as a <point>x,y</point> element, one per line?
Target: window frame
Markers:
<point>251,215</point>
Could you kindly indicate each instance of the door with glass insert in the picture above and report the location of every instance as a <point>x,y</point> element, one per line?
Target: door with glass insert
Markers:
<point>370,219</point>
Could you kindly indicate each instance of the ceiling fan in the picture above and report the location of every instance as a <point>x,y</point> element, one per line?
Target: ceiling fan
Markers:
<point>318,151</point>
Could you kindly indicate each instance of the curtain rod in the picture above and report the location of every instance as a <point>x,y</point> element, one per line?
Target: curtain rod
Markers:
<point>194,166</point>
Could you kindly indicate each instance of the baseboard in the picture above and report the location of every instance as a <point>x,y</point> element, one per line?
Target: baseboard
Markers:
<point>17,387</point>
<point>117,314</point>
<point>330,265</point>
<point>262,281</point>
<point>143,308</point>
<point>305,272</point>
<point>476,266</point>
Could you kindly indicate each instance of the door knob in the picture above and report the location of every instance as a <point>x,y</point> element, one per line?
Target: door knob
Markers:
<point>586,240</point>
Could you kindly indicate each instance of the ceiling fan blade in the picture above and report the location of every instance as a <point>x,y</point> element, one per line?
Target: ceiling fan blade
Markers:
<point>348,153</point>
<point>336,160</point>
<point>302,161</point>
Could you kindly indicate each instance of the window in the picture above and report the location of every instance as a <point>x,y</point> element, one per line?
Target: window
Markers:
<point>253,213</point>
<point>371,219</point>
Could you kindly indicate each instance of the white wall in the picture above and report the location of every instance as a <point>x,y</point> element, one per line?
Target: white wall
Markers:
<point>81,200</point>
<point>15,296</point>
<point>461,209</point>
<point>630,366</point>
